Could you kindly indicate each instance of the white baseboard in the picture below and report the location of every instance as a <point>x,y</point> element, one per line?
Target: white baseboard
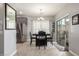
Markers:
<point>73,53</point>
<point>14,53</point>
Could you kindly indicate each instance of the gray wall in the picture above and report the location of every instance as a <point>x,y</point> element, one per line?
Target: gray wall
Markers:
<point>71,9</point>
<point>7,37</point>
<point>29,27</point>
<point>9,41</point>
<point>2,13</point>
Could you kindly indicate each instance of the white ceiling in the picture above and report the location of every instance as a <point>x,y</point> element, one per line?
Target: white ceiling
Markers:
<point>33,9</point>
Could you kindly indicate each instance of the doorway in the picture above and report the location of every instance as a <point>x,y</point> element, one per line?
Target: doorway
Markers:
<point>62,32</point>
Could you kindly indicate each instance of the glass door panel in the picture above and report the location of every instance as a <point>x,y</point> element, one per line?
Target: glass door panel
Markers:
<point>62,26</point>
<point>62,32</point>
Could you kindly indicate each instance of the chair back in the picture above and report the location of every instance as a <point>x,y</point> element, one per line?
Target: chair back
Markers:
<point>41,39</point>
<point>42,33</point>
<point>30,35</point>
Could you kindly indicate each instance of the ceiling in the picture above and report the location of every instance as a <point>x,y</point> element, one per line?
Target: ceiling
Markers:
<point>33,9</point>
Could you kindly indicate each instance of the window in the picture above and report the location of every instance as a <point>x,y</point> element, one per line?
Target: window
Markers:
<point>10,20</point>
<point>40,25</point>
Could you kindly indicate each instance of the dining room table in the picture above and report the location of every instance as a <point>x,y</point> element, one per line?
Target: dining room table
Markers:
<point>49,36</point>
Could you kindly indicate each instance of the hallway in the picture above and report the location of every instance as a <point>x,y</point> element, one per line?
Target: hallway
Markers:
<point>26,50</point>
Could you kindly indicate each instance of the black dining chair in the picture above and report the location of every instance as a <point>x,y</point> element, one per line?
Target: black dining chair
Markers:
<point>41,39</point>
<point>50,38</point>
<point>31,38</point>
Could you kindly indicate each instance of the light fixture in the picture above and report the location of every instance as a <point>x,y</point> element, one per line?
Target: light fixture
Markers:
<point>20,12</point>
<point>41,13</point>
<point>67,20</point>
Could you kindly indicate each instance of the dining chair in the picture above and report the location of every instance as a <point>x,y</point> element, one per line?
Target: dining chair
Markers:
<point>50,38</point>
<point>41,39</point>
<point>31,38</point>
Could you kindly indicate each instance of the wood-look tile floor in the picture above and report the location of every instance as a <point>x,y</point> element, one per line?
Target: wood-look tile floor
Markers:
<point>24,49</point>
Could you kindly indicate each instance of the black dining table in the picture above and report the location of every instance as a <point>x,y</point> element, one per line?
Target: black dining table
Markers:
<point>48,36</point>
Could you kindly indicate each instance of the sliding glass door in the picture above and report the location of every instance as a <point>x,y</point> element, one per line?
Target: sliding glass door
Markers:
<point>62,31</point>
